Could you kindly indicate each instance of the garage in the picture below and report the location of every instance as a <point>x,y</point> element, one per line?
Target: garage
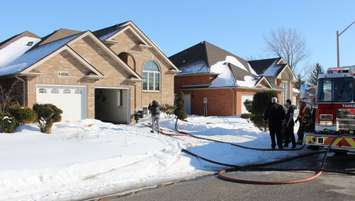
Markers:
<point>243,99</point>
<point>112,105</point>
<point>70,99</point>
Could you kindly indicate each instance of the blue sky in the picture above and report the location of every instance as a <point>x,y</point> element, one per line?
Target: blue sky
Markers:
<point>238,26</point>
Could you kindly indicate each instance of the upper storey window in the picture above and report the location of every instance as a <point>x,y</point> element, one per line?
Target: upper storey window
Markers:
<point>151,76</point>
<point>128,59</point>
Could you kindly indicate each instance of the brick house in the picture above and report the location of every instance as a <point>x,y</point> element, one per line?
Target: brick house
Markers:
<point>108,74</point>
<point>217,82</point>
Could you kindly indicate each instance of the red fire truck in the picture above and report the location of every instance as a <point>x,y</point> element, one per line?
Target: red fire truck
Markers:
<point>335,110</point>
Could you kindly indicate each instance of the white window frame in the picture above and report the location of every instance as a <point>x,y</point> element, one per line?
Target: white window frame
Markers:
<point>154,73</point>
<point>285,91</point>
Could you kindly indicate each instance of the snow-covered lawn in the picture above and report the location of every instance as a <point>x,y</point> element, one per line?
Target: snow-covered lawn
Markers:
<point>90,158</point>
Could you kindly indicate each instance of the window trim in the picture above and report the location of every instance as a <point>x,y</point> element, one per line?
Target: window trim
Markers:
<point>154,73</point>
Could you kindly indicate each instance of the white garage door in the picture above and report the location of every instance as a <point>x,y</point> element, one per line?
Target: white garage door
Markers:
<point>72,100</point>
<point>244,98</point>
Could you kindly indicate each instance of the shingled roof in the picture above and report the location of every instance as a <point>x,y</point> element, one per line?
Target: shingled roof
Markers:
<point>203,51</point>
<point>262,64</point>
<point>57,35</point>
<point>109,31</point>
<point>17,36</point>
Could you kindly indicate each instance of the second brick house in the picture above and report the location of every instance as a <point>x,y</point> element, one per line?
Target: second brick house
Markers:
<point>217,82</point>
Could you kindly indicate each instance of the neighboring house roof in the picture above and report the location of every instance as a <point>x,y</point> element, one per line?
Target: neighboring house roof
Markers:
<point>262,64</point>
<point>239,74</point>
<point>205,57</point>
<point>57,34</point>
<point>16,37</point>
<point>16,46</point>
<point>204,51</point>
<point>33,56</point>
<point>271,68</point>
<point>272,81</point>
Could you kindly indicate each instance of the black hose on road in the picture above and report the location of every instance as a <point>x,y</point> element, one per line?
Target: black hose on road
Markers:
<point>253,167</point>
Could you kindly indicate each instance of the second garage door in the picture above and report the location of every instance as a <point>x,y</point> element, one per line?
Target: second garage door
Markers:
<point>72,100</point>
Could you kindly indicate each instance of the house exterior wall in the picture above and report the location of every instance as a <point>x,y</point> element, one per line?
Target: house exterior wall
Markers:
<point>114,76</point>
<point>239,93</point>
<point>220,101</point>
<point>128,42</point>
<point>192,80</point>
<point>286,76</point>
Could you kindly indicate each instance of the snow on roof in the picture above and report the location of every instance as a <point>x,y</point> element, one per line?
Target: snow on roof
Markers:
<point>272,70</point>
<point>249,81</point>
<point>16,49</point>
<point>196,67</point>
<point>227,78</point>
<point>235,62</point>
<point>33,56</point>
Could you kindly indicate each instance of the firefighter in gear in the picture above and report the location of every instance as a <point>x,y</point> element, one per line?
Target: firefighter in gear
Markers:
<point>154,109</point>
<point>305,121</point>
<point>275,114</point>
<point>289,124</point>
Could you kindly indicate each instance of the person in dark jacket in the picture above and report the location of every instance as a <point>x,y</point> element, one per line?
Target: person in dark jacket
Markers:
<point>154,109</point>
<point>289,124</point>
<point>305,120</point>
<point>275,115</point>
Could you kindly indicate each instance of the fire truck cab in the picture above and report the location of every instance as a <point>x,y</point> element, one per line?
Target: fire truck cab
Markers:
<point>335,110</point>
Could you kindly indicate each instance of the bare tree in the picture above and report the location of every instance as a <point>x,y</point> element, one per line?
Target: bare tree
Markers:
<point>288,44</point>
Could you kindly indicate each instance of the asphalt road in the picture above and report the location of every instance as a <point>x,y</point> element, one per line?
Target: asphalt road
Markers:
<point>328,187</point>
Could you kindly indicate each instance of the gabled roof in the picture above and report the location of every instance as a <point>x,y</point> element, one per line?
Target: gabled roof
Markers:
<point>203,51</point>
<point>239,73</point>
<point>263,78</point>
<point>34,55</point>
<point>56,42</point>
<point>262,64</point>
<point>271,81</point>
<point>16,37</point>
<point>57,34</point>
<point>106,34</point>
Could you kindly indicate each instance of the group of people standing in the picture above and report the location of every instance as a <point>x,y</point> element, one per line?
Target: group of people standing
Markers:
<point>281,123</point>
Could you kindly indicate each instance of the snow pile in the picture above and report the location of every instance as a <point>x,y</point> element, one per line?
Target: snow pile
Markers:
<point>16,49</point>
<point>89,158</point>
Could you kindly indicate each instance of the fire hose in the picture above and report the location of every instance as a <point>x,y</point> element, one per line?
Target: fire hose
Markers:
<point>255,167</point>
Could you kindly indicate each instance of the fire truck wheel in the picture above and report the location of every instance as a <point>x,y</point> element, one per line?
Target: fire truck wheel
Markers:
<point>340,152</point>
<point>311,147</point>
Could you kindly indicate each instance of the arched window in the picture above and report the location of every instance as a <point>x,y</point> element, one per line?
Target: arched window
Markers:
<point>128,59</point>
<point>151,76</point>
